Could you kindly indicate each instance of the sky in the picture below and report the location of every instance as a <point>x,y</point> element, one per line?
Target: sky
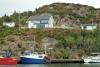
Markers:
<point>9,6</point>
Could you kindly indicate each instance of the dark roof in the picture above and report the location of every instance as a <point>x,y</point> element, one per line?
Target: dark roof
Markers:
<point>8,22</point>
<point>88,24</point>
<point>41,17</point>
<point>96,53</point>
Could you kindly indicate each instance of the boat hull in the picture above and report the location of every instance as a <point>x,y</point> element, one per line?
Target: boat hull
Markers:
<point>25,60</point>
<point>8,61</point>
<point>92,60</point>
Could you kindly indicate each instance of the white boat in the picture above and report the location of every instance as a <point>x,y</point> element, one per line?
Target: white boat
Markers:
<point>92,59</point>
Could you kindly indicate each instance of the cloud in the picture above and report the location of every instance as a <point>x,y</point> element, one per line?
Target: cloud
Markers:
<point>9,6</point>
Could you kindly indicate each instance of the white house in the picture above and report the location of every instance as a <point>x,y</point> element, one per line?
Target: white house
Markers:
<point>41,21</point>
<point>88,26</point>
<point>9,24</point>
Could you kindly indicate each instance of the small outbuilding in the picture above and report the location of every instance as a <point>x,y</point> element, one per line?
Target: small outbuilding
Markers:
<point>9,24</point>
<point>88,26</point>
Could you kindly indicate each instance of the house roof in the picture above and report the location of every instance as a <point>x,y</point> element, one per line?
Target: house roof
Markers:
<point>8,22</point>
<point>41,17</point>
<point>88,24</point>
<point>95,53</point>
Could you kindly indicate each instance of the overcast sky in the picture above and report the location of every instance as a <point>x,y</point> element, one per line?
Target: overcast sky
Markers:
<point>9,6</point>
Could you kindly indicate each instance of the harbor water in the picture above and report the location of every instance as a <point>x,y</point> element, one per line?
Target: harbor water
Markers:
<point>55,65</point>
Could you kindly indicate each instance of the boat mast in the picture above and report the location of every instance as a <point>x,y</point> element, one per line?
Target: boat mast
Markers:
<point>45,47</point>
<point>34,43</point>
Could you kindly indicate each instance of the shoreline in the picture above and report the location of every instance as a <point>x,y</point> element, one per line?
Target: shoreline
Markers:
<point>63,61</point>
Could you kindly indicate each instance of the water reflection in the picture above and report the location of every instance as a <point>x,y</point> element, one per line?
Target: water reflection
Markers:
<point>31,65</point>
<point>58,65</point>
<point>92,64</point>
<point>52,65</point>
<point>8,65</point>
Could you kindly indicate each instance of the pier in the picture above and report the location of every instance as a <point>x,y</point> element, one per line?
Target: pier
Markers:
<point>62,61</point>
<point>66,61</point>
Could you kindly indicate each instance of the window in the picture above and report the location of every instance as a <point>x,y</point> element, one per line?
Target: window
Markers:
<point>40,25</point>
<point>44,21</point>
<point>84,27</point>
<point>40,56</point>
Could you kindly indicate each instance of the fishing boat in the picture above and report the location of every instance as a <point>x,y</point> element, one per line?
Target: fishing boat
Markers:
<point>94,58</point>
<point>6,59</point>
<point>32,57</point>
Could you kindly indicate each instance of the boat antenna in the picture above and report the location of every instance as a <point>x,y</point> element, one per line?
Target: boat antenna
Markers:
<point>45,46</point>
<point>34,43</point>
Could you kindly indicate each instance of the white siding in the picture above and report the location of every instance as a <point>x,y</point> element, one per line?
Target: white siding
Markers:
<point>91,27</point>
<point>47,23</point>
<point>9,24</point>
<point>88,27</point>
<point>30,24</point>
<point>82,27</point>
<point>51,22</point>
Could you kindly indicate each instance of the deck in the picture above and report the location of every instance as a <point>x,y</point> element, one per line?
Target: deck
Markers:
<point>66,61</point>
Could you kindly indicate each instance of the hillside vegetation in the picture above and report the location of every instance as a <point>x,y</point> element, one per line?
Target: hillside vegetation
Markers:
<point>62,13</point>
<point>65,43</point>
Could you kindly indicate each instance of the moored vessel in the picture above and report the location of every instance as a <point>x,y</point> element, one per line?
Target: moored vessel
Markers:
<point>6,58</point>
<point>8,61</point>
<point>94,58</point>
<point>33,59</point>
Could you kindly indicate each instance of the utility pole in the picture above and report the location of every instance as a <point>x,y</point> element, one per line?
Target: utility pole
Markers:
<point>19,22</point>
<point>27,14</point>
